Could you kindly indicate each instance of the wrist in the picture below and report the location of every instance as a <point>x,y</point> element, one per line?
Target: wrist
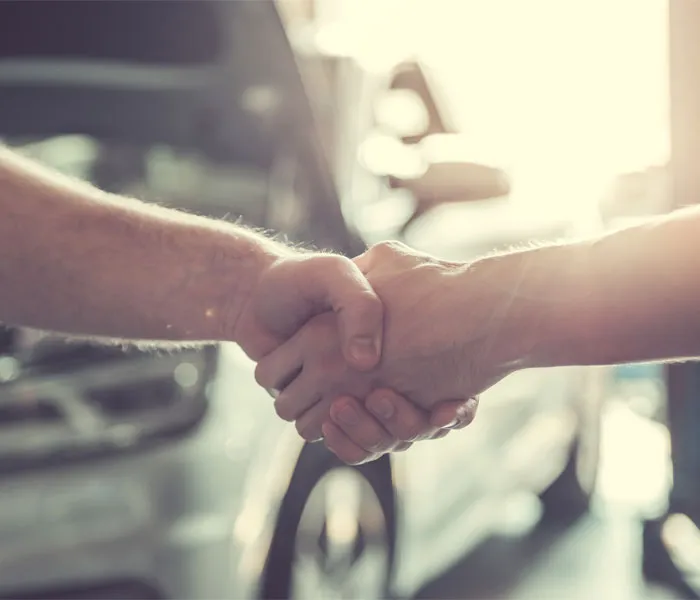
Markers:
<point>530,298</point>
<point>253,256</point>
<point>553,292</point>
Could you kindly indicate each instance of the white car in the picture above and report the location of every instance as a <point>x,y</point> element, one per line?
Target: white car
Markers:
<point>137,475</point>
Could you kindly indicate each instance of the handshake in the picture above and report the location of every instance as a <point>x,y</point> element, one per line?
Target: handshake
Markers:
<point>373,354</point>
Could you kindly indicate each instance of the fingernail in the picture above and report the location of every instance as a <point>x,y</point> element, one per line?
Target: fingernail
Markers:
<point>364,349</point>
<point>451,424</point>
<point>383,408</point>
<point>347,416</point>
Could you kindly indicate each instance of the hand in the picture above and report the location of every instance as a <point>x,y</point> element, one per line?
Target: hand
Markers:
<point>451,328</point>
<point>444,337</point>
<point>359,433</point>
<point>320,337</point>
<point>422,355</point>
<point>291,289</point>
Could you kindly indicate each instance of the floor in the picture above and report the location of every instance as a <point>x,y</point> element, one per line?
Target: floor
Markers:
<point>597,557</point>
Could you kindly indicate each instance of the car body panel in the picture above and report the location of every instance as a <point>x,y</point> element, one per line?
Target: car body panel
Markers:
<point>178,515</point>
<point>451,491</point>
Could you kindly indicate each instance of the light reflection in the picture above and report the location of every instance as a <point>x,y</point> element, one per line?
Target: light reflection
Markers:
<point>9,368</point>
<point>385,155</point>
<point>538,89</point>
<point>635,461</point>
<point>186,375</point>
<point>681,535</point>
<point>403,112</point>
<point>342,507</point>
<point>568,93</point>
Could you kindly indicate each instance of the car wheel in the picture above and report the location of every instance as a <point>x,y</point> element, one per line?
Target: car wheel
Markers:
<point>569,496</point>
<point>334,536</point>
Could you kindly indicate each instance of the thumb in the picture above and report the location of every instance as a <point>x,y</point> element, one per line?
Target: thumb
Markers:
<point>335,282</point>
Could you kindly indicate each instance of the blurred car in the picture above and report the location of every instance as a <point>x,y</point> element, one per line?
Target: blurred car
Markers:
<point>131,474</point>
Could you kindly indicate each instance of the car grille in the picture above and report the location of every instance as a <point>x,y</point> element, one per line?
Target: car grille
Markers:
<point>70,401</point>
<point>118,590</point>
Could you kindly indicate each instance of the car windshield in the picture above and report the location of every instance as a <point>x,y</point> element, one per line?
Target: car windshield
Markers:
<point>553,91</point>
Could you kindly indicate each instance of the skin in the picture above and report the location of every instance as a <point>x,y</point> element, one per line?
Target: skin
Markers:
<point>79,261</point>
<point>418,351</point>
<point>628,296</point>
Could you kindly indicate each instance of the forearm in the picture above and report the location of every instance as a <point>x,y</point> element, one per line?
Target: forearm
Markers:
<point>629,296</point>
<point>80,261</point>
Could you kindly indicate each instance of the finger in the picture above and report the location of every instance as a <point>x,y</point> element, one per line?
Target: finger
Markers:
<point>280,367</point>
<point>296,398</point>
<point>360,426</point>
<point>344,448</point>
<point>382,252</point>
<point>401,418</point>
<point>338,283</point>
<point>402,446</point>
<point>445,414</point>
<point>365,261</point>
<point>454,414</point>
<point>467,413</point>
<point>310,423</point>
<point>439,434</point>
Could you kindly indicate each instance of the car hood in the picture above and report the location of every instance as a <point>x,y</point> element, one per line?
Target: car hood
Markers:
<point>220,76</point>
<point>216,76</point>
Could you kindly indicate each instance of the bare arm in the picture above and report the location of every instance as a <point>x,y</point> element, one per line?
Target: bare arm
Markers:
<point>629,296</point>
<point>74,259</point>
<point>77,260</point>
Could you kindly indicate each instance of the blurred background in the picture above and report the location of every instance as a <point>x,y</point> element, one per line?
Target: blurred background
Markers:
<point>456,126</point>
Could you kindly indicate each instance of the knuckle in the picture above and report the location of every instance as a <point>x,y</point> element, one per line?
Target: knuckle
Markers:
<point>285,408</point>
<point>465,422</point>
<point>256,348</point>
<point>366,296</point>
<point>333,262</point>
<point>377,445</point>
<point>366,306</point>
<point>309,424</point>
<point>468,418</point>
<point>467,413</point>
<point>368,301</point>
<point>388,247</point>
<point>354,457</point>
<point>262,375</point>
<point>411,432</point>
<point>309,431</point>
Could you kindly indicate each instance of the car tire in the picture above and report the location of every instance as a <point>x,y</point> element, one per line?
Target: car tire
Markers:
<point>303,546</point>
<point>566,499</point>
<point>569,496</point>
